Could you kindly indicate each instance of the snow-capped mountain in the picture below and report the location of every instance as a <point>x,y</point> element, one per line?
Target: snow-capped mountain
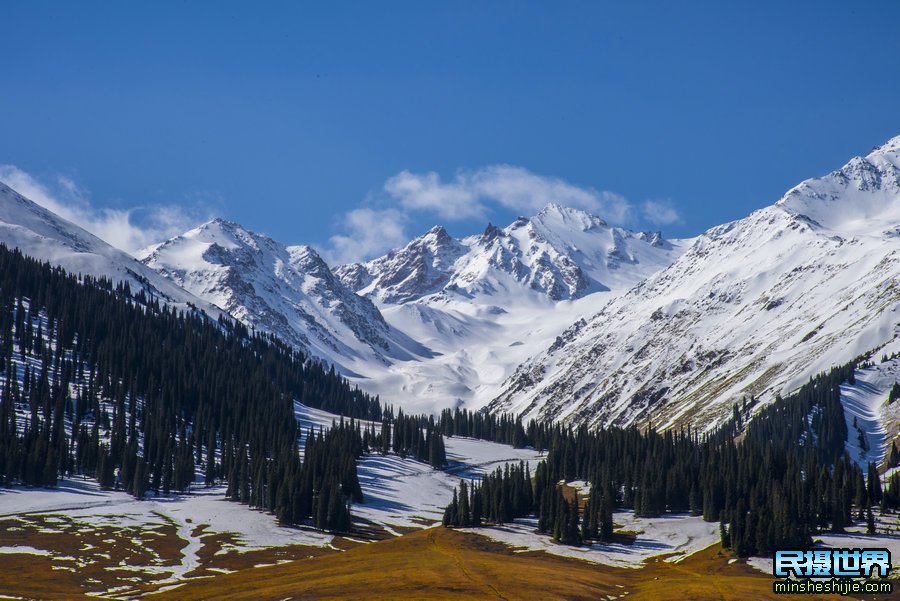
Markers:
<point>754,307</point>
<point>286,290</point>
<point>44,235</point>
<point>485,303</point>
<point>561,252</point>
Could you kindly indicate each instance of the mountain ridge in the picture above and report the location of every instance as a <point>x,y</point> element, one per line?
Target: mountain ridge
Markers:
<point>44,235</point>
<point>286,290</point>
<point>752,308</point>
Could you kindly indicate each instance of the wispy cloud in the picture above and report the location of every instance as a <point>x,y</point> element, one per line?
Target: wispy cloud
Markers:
<point>660,212</point>
<point>367,233</point>
<point>471,194</point>
<point>128,229</point>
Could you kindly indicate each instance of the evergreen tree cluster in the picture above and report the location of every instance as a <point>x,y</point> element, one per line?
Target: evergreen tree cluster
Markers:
<point>893,459</point>
<point>318,490</point>
<point>772,482</point>
<point>498,498</point>
<point>102,381</point>
<point>894,393</point>
<point>890,498</point>
<point>416,437</point>
<point>502,428</point>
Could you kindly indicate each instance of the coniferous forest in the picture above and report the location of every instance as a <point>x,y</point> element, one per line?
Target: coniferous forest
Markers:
<point>104,381</point>
<point>771,482</point>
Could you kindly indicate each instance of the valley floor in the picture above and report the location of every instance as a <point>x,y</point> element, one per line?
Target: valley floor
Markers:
<point>76,541</point>
<point>446,564</point>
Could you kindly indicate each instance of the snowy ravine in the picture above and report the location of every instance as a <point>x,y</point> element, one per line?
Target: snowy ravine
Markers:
<point>864,404</point>
<point>753,308</point>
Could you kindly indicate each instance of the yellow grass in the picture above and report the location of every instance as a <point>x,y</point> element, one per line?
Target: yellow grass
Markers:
<point>440,564</point>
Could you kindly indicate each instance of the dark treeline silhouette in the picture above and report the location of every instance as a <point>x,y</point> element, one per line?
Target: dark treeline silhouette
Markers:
<point>102,381</point>
<point>499,497</point>
<point>500,428</point>
<point>414,436</point>
<point>771,481</point>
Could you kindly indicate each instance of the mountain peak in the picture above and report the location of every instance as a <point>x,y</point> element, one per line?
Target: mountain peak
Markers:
<point>862,197</point>
<point>554,215</point>
<point>891,146</point>
<point>490,233</point>
<point>42,234</point>
<point>287,290</point>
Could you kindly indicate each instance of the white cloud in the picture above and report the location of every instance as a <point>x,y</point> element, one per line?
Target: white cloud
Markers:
<point>471,193</point>
<point>127,229</point>
<point>427,193</point>
<point>518,189</point>
<point>368,233</point>
<point>660,212</point>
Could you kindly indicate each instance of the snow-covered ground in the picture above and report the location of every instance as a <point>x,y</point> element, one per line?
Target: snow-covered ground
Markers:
<point>865,402</point>
<point>677,534</point>
<point>84,501</point>
<point>194,516</point>
<point>402,492</point>
<point>399,493</point>
<point>407,493</point>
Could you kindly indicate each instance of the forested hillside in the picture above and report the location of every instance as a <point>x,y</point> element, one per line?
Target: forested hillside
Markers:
<point>102,381</point>
<point>771,482</point>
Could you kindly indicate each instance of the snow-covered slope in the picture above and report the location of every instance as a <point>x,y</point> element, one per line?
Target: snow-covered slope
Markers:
<point>42,234</point>
<point>754,307</point>
<point>562,253</point>
<point>485,303</point>
<point>285,290</point>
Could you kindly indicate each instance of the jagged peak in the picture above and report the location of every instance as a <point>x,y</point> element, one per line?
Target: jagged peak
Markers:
<point>304,251</point>
<point>438,231</point>
<point>490,233</point>
<point>569,216</point>
<point>861,197</point>
<point>437,235</point>
<point>227,234</point>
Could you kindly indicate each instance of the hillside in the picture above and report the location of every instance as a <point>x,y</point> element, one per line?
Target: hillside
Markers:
<point>42,234</point>
<point>752,309</point>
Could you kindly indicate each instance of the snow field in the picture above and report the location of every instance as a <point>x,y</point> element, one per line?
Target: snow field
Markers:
<point>678,534</point>
<point>865,402</point>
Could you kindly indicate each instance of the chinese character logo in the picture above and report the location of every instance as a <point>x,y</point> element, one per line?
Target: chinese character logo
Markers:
<point>841,563</point>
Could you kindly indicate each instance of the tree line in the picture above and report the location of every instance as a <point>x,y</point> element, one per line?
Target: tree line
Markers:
<point>105,381</point>
<point>771,482</point>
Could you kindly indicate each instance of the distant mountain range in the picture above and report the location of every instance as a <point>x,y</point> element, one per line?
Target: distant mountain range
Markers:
<point>559,315</point>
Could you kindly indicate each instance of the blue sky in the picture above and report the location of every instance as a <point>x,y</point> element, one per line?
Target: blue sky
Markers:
<point>351,126</point>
